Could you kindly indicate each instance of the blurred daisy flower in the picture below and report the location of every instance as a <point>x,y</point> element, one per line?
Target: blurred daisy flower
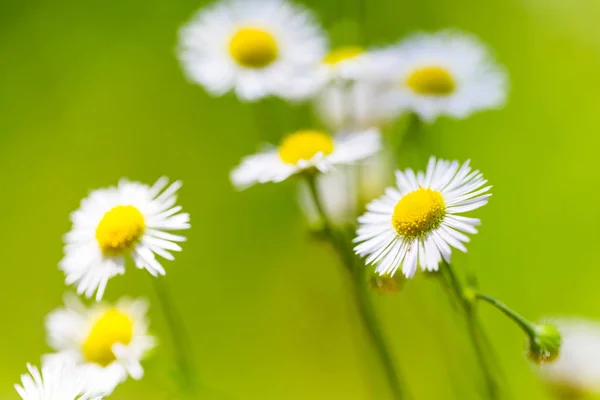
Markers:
<point>304,151</point>
<point>351,97</point>
<point>346,190</point>
<point>111,340</point>
<point>257,48</point>
<point>576,371</point>
<point>60,379</point>
<point>110,223</point>
<point>417,222</point>
<point>446,73</point>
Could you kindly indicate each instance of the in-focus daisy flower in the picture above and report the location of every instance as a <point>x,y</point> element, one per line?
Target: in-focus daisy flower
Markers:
<point>111,340</point>
<point>446,73</point>
<point>256,47</point>
<point>346,190</point>
<point>302,151</point>
<point>576,371</point>
<point>353,96</point>
<point>110,223</point>
<point>60,379</point>
<point>417,222</point>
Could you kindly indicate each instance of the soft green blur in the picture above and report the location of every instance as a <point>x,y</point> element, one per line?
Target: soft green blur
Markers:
<point>91,91</point>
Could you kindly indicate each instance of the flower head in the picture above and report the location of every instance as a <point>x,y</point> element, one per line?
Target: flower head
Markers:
<point>60,379</point>
<point>130,219</point>
<point>446,73</point>
<point>577,368</point>
<point>418,222</point>
<point>302,151</point>
<point>256,47</point>
<point>109,339</point>
<point>544,347</point>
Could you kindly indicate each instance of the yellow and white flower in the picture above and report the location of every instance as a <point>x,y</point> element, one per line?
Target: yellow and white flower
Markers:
<point>109,339</point>
<point>417,222</point>
<point>305,150</point>
<point>576,371</point>
<point>446,73</point>
<point>111,223</point>
<point>257,48</point>
<point>60,379</point>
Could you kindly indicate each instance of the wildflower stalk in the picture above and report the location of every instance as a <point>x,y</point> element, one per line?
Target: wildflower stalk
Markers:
<point>476,334</point>
<point>361,295</point>
<point>517,318</point>
<point>179,337</point>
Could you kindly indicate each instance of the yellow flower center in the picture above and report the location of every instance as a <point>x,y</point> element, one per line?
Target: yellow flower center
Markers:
<point>433,81</point>
<point>338,55</point>
<point>304,145</point>
<point>111,328</point>
<point>120,229</point>
<point>253,47</point>
<point>418,213</point>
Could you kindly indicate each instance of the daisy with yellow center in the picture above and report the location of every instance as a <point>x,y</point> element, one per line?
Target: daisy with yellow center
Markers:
<point>417,222</point>
<point>112,340</point>
<point>446,73</point>
<point>257,48</point>
<point>130,219</point>
<point>61,379</point>
<point>304,151</point>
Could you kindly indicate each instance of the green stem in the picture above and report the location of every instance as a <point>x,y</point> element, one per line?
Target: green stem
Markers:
<point>517,318</point>
<point>360,292</point>
<point>179,336</point>
<point>473,328</point>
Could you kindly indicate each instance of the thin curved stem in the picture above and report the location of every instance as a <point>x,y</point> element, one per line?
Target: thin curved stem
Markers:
<point>517,318</point>
<point>179,336</point>
<point>473,328</point>
<point>360,294</point>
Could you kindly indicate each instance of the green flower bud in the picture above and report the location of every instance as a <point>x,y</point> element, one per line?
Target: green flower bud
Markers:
<point>544,346</point>
<point>386,284</point>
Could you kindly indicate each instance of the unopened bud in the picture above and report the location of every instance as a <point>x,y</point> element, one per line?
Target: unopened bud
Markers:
<point>386,284</point>
<point>544,346</point>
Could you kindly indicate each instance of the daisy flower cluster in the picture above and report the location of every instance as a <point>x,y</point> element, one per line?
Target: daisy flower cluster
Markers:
<point>98,346</point>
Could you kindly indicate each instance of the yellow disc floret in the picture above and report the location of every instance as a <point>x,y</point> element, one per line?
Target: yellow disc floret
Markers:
<point>340,54</point>
<point>120,229</point>
<point>433,81</point>
<point>253,47</point>
<point>111,328</point>
<point>304,145</point>
<point>418,213</point>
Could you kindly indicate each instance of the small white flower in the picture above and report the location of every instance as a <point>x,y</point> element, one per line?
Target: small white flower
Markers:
<point>256,47</point>
<point>110,340</point>
<point>577,368</point>
<point>305,150</point>
<point>417,222</point>
<point>60,379</point>
<point>353,95</point>
<point>131,218</point>
<point>446,73</point>
<point>347,189</point>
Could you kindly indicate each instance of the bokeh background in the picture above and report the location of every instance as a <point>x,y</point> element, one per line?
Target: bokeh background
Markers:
<point>91,91</point>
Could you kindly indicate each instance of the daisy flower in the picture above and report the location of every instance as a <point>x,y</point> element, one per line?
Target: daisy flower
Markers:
<point>446,73</point>
<point>59,379</point>
<point>257,48</point>
<point>417,222</point>
<point>111,223</point>
<point>576,371</point>
<point>109,339</point>
<point>302,151</point>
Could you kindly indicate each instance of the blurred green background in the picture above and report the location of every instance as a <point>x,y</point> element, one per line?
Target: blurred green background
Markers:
<point>91,91</point>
